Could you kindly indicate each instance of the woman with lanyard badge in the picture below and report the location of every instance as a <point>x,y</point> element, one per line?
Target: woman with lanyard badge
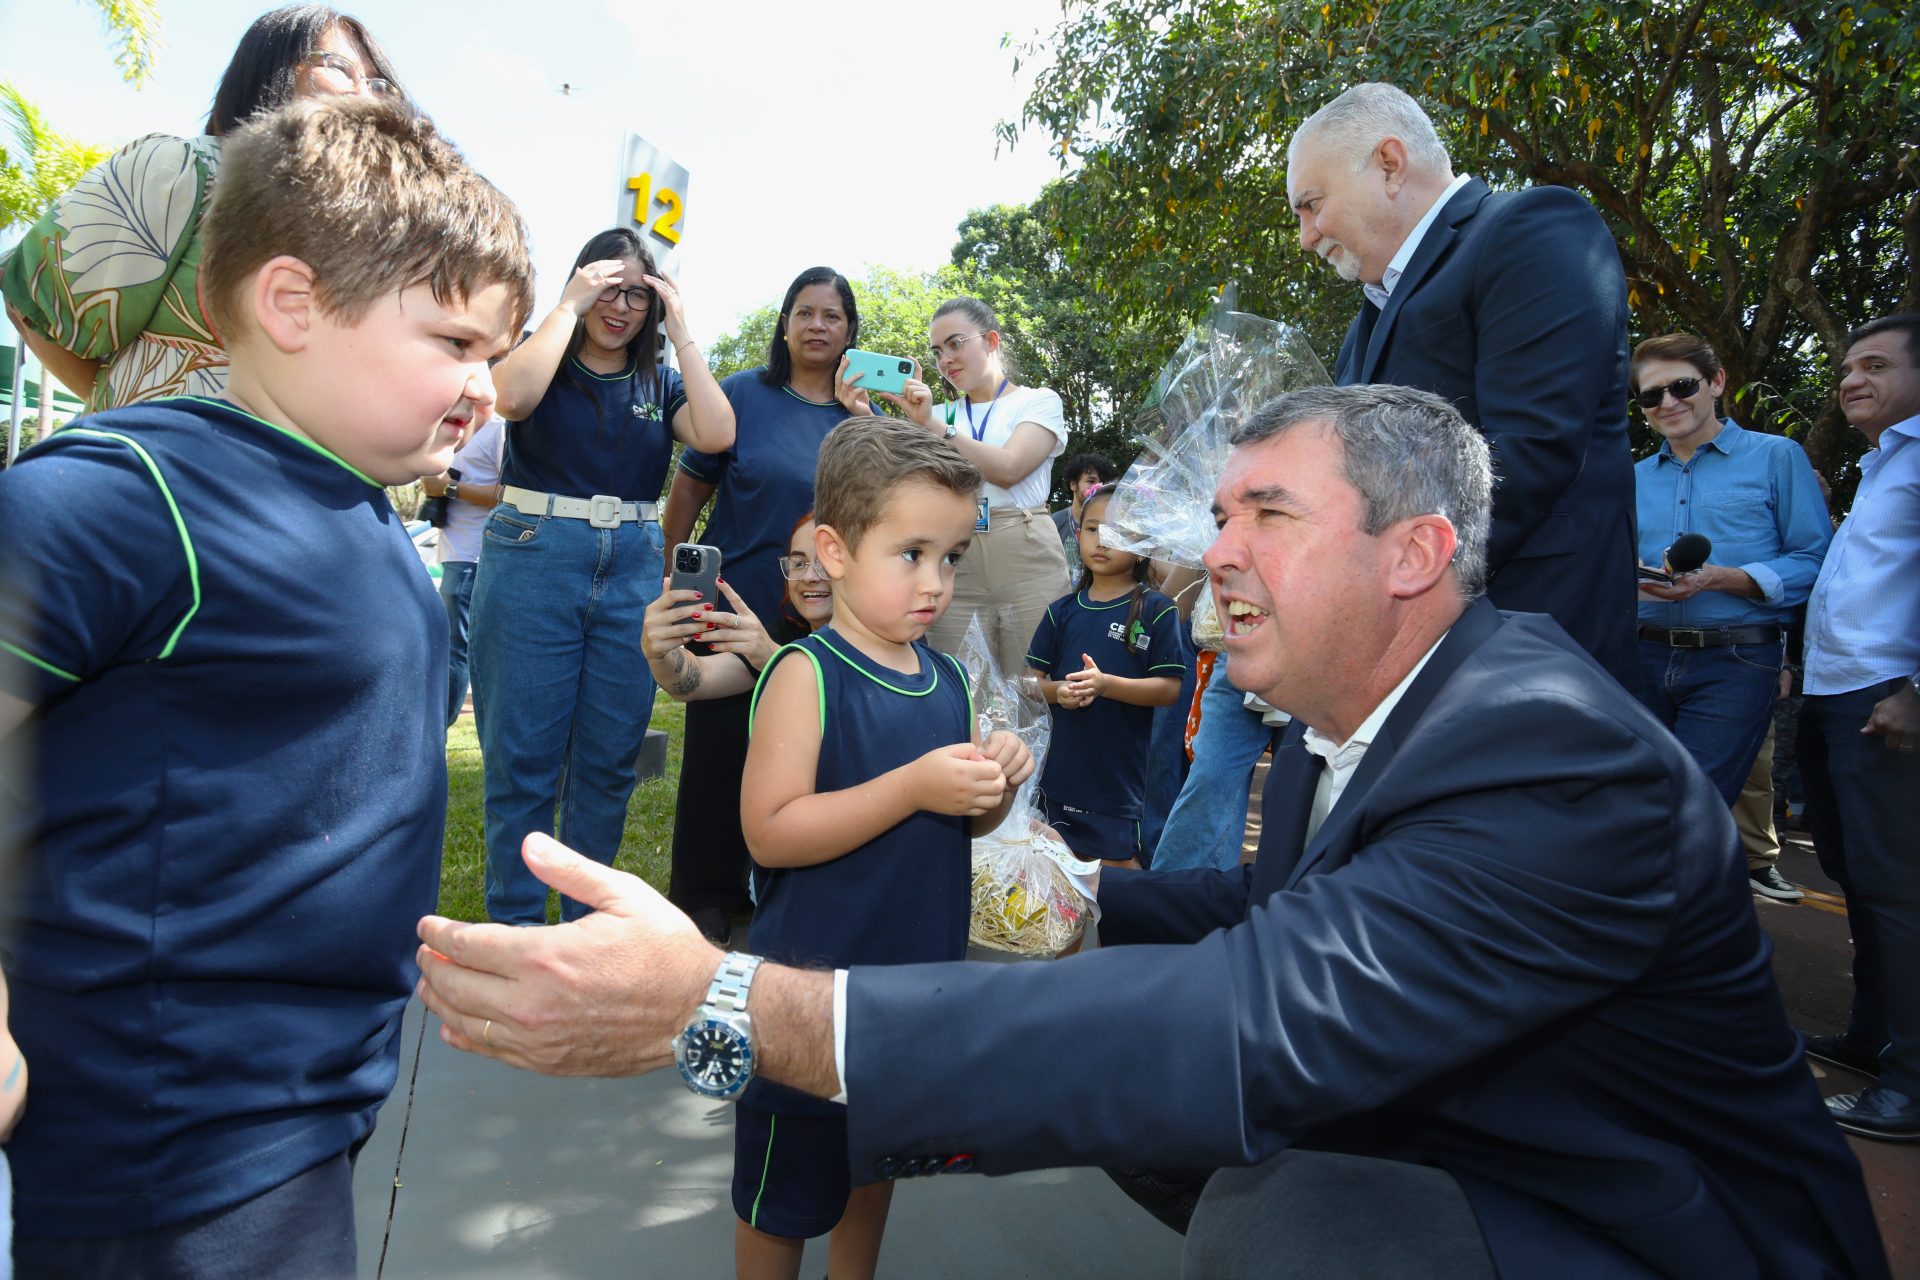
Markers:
<point>1016,565</point>
<point>573,555</point>
<point>758,486</point>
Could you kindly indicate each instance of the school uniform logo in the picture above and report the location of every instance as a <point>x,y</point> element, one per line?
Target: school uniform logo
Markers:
<point>646,409</point>
<point>1136,636</point>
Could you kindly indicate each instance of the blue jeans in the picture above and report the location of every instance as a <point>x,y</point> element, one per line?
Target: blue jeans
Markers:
<point>1166,752</point>
<point>456,592</point>
<point>1717,701</point>
<point>1860,812</point>
<point>1209,820</point>
<point>561,693</point>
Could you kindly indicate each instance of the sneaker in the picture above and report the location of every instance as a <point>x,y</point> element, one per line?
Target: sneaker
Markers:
<point>1877,1112</point>
<point>1769,883</point>
<point>1842,1052</point>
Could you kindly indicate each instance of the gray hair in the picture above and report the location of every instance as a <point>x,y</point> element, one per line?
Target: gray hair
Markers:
<point>1407,453</point>
<point>1363,117</point>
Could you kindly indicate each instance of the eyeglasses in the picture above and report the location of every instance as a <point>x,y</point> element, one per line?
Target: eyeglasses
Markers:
<point>795,567</point>
<point>1682,388</point>
<point>341,75</point>
<point>636,297</point>
<point>952,346</point>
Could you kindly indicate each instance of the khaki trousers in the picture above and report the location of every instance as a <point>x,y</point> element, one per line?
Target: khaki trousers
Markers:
<point>1008,577</point>
<point>1753,811</point>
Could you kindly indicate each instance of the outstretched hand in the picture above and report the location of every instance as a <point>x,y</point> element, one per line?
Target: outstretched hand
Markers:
<point>601,996</point>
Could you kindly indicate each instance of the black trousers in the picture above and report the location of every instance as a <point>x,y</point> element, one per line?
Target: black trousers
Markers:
<point>709,854</point>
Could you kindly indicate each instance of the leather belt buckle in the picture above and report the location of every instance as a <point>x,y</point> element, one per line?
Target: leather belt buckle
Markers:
<point>1687,638</point>
<point>603,511</point>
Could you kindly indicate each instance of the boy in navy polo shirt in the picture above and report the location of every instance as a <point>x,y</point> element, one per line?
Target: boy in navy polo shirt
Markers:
<point>1107,655</point>
<point>863,787</point>
<point>238,691</point>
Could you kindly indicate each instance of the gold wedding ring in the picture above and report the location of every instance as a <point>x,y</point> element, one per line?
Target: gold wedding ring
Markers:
<point>486,1034</point>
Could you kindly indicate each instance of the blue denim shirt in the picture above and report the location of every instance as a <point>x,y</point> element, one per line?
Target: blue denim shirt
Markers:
<point>1755,496</point>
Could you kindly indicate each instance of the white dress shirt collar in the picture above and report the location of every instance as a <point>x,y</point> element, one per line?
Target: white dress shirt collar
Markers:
<point>1342,759</point>
<point>1378,294</point>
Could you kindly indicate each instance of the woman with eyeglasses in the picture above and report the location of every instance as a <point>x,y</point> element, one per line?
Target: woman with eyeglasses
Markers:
<point>104,286</point>
<point>739,644</point>
<point>785,409</point>
<point>1016,565</point>
<point>572,557</point>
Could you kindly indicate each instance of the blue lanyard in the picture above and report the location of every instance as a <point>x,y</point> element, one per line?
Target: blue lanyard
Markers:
<point>980,432</point>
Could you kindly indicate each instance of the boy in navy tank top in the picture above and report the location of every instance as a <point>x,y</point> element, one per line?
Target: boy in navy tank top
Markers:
<point>239,691</point>
<point>863,788</point>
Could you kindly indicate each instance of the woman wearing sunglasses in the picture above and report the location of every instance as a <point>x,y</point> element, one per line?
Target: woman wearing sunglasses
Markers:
<point>104,286</point>
<point>573,555</point>
<point>1712,641</point>
<point>1016,566</point>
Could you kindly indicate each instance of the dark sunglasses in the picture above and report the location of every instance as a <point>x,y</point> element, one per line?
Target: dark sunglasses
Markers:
<point>1682,388</point>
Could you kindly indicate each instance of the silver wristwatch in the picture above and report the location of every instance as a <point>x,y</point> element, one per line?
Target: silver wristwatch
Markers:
<point>715,1053</point>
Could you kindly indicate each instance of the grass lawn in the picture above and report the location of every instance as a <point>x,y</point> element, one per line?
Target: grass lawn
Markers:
<point>644,848</point>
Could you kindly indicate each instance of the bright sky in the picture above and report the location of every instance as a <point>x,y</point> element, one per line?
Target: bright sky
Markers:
<point>850,135</point>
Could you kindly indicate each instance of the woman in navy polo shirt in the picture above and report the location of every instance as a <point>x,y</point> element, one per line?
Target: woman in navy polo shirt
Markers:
<point>759,485</point>
<point>572,556</point>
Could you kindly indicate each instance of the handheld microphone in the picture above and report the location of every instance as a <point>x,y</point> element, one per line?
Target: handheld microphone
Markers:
<point>1688,552</point>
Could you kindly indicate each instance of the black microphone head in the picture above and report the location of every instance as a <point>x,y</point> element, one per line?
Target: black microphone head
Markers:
<point>1688,552</point>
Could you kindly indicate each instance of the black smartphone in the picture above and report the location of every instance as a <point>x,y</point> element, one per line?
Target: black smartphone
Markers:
<point>1648,574</point>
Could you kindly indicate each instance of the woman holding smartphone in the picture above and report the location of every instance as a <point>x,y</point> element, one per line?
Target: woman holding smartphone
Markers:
<point>1016,565</point>
<point>572,556</point>
<point>784,410</point>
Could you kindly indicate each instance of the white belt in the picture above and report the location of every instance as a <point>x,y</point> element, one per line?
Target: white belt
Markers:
<point>602,510</point>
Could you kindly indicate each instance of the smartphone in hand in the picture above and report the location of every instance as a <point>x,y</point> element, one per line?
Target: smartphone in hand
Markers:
<point>883,372</point>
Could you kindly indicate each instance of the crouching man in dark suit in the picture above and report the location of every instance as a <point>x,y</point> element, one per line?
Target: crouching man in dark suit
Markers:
<point>1492,1000</point>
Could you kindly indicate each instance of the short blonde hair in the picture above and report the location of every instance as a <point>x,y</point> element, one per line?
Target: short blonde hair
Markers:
<point>372,198</point>
<point>864,459</point>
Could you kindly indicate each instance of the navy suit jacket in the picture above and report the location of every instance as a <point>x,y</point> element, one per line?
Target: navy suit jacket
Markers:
<point>1514,308</point>
<point>1521,948</point>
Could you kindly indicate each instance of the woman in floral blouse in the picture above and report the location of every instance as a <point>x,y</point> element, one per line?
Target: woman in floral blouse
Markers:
<point>105,287</point>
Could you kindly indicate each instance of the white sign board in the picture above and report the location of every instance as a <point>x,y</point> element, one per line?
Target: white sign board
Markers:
<point>652,199</point>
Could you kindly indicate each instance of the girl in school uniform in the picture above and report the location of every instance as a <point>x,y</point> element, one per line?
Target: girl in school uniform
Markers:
<point>1107,654</point>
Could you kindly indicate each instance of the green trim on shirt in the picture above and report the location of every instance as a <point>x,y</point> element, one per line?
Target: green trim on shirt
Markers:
<point>24,656</point>
<point>320,449</point>
<point>173,508</point>
<point>819,685</point>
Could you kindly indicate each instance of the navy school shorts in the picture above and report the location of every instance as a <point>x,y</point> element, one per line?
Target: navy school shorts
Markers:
<point>790,1174</point>
<point>1095,836</point>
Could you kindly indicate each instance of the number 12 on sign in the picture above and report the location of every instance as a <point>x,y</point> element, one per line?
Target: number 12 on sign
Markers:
<point>666,226</point>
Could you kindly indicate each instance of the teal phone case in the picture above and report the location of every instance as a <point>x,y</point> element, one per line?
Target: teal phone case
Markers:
<point>884,373</point>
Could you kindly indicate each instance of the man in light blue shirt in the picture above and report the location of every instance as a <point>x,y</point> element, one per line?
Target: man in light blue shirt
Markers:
<point>1860,725</point>
<point>1713,641</point>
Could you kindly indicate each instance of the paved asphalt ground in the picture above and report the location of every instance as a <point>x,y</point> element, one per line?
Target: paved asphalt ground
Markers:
<point>478,1170</point>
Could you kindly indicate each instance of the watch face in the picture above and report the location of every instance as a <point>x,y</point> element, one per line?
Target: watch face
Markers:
<point>715,1058</point>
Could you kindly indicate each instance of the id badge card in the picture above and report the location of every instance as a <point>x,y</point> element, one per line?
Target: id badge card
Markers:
<point>980,517</point>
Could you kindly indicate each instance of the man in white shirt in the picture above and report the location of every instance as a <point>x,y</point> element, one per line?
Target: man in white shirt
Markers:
<point>1860,727</point>
<point>1506,917</point>
<point>1512,307</point>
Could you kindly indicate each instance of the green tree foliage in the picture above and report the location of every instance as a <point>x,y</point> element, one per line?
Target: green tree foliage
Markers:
<point>1757,160</point>
<point>39,162</point>
<point>134,27</point>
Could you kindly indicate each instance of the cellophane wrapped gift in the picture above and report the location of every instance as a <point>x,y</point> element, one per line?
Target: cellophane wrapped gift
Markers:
<point>1227,367</point>
<point>1031,896</point>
